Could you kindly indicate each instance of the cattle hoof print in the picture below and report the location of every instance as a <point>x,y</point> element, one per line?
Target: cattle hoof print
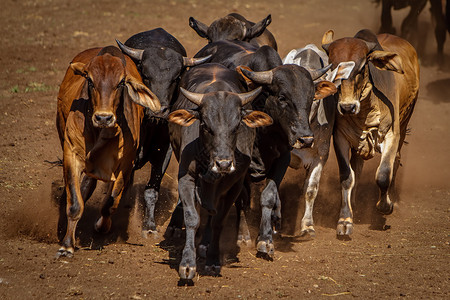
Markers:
<point>187,272</point>
<point>202,251</point>
<point>213,270</point>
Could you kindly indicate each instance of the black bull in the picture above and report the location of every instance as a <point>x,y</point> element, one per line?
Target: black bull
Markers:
<point>160,59</point>
<point>214,153</point>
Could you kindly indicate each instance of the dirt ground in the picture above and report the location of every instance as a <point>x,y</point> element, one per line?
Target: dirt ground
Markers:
<point>405,254</point>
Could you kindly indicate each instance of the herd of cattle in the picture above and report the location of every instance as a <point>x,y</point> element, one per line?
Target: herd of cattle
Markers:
<point>258,114</point>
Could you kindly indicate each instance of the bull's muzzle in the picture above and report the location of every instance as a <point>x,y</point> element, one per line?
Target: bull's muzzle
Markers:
<point>348,108</point>
<point>223,166</point>
<point>304,142</point>
<point>104,120</point>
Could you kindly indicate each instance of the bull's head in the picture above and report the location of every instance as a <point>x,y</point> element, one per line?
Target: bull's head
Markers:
<point>292,91</point>
<point>361,49</point>
<point>229,28</point>
<point>221,115</point>
<point>106,83</point>
<point>160,68</point>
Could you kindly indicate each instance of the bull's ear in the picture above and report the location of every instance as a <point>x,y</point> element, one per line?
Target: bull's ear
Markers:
<point>327,39</point>
<point>342,72</point>
<point>141,94</point>
<point>78,68</point>
<point>199,27</point>
<point>256,118</point>
<point>248,81</point>
<point>257,29</point>
<point>324,89</point>
<point>385,60</point>
<point>290,57</point>
<point>182,117</point>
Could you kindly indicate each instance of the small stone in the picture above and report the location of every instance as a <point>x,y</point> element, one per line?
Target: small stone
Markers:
<point>42,276</point>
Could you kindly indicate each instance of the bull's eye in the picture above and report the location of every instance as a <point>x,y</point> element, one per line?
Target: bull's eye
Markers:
<point>121,83</point>
<point>90,83</point>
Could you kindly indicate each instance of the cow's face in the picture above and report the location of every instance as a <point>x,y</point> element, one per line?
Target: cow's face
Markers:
<point>358,86</point>
<point>160,68</point>
<point>106,81</point>
<point>221,115</point>
<point>229,28</point>
<point>292,91</point>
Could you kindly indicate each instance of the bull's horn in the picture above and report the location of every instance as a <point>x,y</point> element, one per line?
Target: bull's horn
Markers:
<point>195,98</point>
<point>250,96</point>
<point>135,54</point>
<point>264,77</point>
<point>191,61</point>
<point>316,74</point>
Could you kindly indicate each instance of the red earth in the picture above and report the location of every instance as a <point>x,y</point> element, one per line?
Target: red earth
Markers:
<point>405,254</point>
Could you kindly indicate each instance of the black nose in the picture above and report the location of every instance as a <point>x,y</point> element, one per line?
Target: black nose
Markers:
<point>348,108</point>
<point>223,164</point>
<point>104,119</point>
<point>306,141</point>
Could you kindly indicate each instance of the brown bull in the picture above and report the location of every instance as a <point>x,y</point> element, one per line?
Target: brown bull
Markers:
<point>375,104</point>
<point>100,107</point>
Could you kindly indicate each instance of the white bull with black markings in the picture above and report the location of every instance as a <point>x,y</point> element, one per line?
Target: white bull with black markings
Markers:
<point>321,121</point>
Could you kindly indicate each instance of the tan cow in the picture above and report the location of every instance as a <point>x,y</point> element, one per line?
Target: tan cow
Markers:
<point>100,107</point>
<point>375,105</point>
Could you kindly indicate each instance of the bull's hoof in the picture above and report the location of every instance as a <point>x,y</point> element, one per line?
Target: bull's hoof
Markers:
<point>202,251</point>
<point>146,233</point>
<point>213,270</point>
<point>173,232</point>
<point>385,208</point>
<point>64,252</point>
<point>187,272</point>
<point>243,241</point>
<point>265,249</point>
<point>308,231</point>
<point>103,225</point>
<point>344,229</point>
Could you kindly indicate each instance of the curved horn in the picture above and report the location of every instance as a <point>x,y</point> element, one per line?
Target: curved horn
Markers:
<point>316,74</point>
<point>264,77</point>
<point>191,61</point>
<point>195,98</point>
<point>250,96</point>
<point>135,54</point>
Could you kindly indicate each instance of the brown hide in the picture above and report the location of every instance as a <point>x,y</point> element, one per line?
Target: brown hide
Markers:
<point>102,150</point>
<point>396,91</point>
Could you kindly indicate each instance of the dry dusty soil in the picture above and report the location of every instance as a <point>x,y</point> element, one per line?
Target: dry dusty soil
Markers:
<point>405,254</point>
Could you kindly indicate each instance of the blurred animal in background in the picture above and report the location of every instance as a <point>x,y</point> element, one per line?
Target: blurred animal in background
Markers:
<point>409,25</point>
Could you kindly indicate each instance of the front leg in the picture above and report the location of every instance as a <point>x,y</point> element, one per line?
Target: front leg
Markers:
<point>271,205</point>
<point>160,161</point>
<point>112,199</point>
<point>75,204</point>
<point>311,188</point>
<point>188,266</point>
<point>224,204</point>
<point>347,179</point>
